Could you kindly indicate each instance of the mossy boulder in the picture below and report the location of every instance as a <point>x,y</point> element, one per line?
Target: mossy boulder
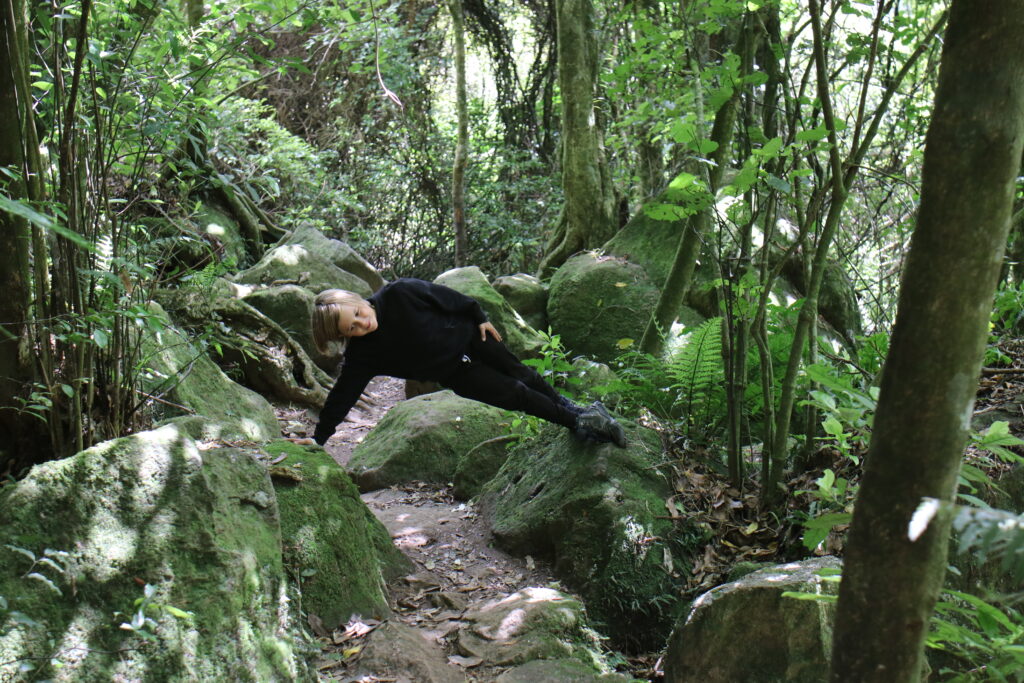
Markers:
<point>527,295</point>
<point>478,466</point>
<point>295,264</point>
<point>652,244</point>
<point>422,439</point>
<point>337,252</point>
<point>530,624</point>
<point>341,553</point>
<point>519,337</point>
<point>598,304</point>
<point>783,639</point>
<point>200,528</point>
<point>597,512</point>
<point>291,307</point>
<point>196,393</point>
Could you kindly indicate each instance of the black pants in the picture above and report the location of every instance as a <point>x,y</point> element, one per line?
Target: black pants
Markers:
<point>493,375</point>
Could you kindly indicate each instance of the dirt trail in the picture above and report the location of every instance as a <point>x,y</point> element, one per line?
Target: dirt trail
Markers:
<point>456,567</point>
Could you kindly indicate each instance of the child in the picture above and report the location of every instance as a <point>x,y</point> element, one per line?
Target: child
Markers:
<point>418,330</point>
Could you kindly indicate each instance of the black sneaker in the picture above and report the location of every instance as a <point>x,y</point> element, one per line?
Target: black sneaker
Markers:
<point>616,434</point>
<point>591,425</point>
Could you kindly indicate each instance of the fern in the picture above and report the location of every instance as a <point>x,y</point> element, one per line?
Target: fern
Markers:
<point>698,375</point>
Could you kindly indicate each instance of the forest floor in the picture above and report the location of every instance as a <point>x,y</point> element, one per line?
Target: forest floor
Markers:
<point>457,566</point>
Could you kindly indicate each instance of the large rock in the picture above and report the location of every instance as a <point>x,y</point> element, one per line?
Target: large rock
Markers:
<point>783,638</point>
<point>190,388</point>
<point>643,240</point>
<point>291,307</point>
<point>266,356</point>
<point>396,652</point>
<point>479,465</point>
<point>342,553</point>
<point>423,439</point>
<point>337,252</point>
<point>599,304</point>
<point>199,527</point>
<point>533,623</point>
<point>527,295</point>
<point>295,264</point>
<point>519,337</point>
<point>597,512</point>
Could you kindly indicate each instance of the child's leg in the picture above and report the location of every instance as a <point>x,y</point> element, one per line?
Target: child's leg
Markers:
<point>497,356</point>
<point>483,383</point>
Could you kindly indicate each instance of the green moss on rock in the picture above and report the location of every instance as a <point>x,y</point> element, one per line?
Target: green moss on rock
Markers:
<point>596,302</point>
<point>199,526</point>
<point>294,263</point>
<point>341,554</point>
<point>337,252</point>
<point>596,511</point>
<point>184,377</point>
<point>423,439</point>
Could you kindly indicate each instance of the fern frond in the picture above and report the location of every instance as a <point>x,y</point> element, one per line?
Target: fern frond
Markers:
<point>697,370</point>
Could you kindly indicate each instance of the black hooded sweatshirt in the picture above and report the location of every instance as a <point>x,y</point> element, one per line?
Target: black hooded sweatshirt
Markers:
<point>423,331</point>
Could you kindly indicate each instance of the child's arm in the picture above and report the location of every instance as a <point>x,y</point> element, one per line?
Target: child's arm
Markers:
<point>343,396</point>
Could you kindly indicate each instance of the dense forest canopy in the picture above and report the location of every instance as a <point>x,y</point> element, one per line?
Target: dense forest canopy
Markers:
<point>770,150</point>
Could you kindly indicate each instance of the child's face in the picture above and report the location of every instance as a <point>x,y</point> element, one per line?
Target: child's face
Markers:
<point>356,321</point>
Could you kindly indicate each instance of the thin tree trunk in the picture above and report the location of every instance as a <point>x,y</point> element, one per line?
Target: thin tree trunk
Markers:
<point>15,243</point>
<point>972,155</point>
<point>462,138</point>
<point>587,217</point>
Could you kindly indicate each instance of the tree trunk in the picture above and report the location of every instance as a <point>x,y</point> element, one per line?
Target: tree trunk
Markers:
<point>972,156</point>
<point>586,220</point>
<point>19,435</point>
<point>462,138</point>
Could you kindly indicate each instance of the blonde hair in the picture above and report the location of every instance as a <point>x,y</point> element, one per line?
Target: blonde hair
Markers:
<point>327,316</point>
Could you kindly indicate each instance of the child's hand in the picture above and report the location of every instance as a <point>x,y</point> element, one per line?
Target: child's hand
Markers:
<point>487,327</point>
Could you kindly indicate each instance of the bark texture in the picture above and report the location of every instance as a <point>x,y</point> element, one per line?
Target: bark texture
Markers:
<point>586,220</point>
<point>972,155</point>
<point>462,141</point>
<point>15,239</point>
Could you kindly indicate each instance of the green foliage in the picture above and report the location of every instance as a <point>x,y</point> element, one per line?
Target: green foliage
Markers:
<point>553,365</point>
<point>276,168</point>
<point>991,534</point>
<point>686,386</point>
<point>147,612</point>
<point>847,410</point>
<point>698,375</point>
<point>986,637</point>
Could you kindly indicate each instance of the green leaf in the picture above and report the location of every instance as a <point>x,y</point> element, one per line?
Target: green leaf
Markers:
<point>68,390</point>
<point>816,597</point>
<point>44,222</point>
<point>812,135</point>
<point>778,184</point>
<point>177,613</point>
<point>27,553</point>
<point>770,149</point>
<point>100,337</point>
<point>45,581</point>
